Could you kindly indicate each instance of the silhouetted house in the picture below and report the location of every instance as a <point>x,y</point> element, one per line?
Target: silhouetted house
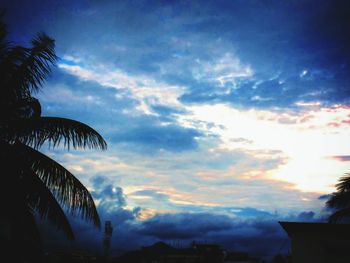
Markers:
<point>76,256</point>
<point>318,242</point>
<point>163,253</point>
<point>239,257</point>
<point>209,252</point>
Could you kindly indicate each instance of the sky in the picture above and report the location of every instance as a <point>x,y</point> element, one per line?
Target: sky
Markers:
<point>221,117</point>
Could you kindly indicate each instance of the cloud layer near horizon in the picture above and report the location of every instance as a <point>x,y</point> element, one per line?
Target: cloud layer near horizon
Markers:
<point>242,229</point>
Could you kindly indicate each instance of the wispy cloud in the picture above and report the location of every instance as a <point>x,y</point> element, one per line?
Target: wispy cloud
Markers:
<point>146,90</point>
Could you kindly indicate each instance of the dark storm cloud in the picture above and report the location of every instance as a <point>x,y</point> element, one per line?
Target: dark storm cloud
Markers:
<point>252,212</point>
<point>262,237</point>
<point>184,226</point>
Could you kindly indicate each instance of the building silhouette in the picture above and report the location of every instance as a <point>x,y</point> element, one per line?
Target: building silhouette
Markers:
<point>318,242</point>
<point>161,252</point>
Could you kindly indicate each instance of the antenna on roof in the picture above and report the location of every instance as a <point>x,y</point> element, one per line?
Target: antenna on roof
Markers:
<point>107,237</point>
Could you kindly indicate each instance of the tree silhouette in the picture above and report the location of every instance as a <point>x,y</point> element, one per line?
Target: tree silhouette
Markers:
<point>340,200</point>
<point>32,183</point>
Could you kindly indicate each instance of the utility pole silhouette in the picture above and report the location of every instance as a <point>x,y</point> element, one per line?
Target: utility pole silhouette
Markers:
<point>107,238</point>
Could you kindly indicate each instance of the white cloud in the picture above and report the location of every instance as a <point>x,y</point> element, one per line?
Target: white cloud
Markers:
<point>223,70</point>
<point>145,89</point>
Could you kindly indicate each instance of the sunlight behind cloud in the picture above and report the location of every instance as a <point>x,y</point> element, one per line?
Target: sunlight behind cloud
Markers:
<point>307,142</point>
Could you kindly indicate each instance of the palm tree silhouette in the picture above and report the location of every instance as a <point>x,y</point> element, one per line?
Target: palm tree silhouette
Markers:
<point>32,183</point>
<point>340,200</point>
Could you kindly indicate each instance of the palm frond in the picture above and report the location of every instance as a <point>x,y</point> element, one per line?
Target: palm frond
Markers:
<point>339,200</point>
<point>36,131</point>
<point>344,183</point>
<point>43,201</point>
<point>68,190</point>
<point>25,69</point>
<point>35,63</point>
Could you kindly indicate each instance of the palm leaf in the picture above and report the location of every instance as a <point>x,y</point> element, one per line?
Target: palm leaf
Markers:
<point>40,199</point>
<point>32,65</point>
<point>23,69</point>
<point>339,200</point>
<point>65,186</point>
<point>344,183</point>
<point>36,131</point>
<point>27,194</point>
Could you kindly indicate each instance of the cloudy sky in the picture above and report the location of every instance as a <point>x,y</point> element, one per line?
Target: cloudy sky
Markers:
<point>221,117</point>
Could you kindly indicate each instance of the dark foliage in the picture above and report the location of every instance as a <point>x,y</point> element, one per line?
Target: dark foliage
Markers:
<point>34,184</point>
<point>340,200</point>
